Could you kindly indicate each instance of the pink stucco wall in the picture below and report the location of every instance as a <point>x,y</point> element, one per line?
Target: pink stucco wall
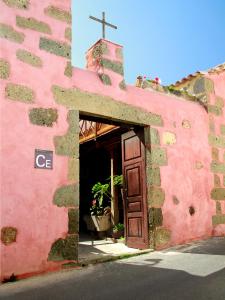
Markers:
<point>27,193</point>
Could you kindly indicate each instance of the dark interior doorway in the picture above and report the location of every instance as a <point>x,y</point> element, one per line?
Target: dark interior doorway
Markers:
<point>107,151</point>
<point>96,157</point>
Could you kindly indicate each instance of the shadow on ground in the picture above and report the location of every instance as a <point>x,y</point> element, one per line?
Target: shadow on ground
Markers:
<point>135,278</point>
<point>124,281</point>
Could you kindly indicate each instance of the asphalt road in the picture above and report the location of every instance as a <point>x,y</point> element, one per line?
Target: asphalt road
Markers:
<point>195,271</point>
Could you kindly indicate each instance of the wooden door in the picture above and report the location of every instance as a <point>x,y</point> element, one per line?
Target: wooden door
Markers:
<point>135,202</point>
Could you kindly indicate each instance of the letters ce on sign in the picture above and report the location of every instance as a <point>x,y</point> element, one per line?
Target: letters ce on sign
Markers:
<point>43,159</point>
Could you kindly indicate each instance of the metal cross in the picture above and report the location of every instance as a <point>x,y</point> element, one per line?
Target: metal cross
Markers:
<point>104,23</point>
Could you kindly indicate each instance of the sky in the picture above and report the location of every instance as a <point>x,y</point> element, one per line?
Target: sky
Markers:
<point>169,39</point>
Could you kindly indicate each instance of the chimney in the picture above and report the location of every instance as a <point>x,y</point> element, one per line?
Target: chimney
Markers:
<point>106,59</point>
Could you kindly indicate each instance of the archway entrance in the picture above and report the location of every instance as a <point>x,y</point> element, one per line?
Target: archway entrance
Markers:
<point>109,153</point>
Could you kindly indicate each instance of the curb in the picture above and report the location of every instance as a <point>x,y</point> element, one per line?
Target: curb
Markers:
<point>104,259</point>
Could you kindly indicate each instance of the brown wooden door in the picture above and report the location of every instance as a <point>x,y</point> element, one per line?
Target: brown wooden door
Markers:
<point>135,205</point>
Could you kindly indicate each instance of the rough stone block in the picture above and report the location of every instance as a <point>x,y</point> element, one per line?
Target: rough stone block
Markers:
<point>68,70</point>
<point>55,47</point>
<point>9,33</point>
<point>4,69</point>
<point>33,24</point>
<point>68,34</point>
<point>105,79</point>
<point>156,196</point>
<point>151,239</point>
<point>154,136</point>
<point>218,194</point>
<point>73,121</point>
<point>114,66</point>
<point>8,235</point>
<point>159,156</point>
<point>73,170</point>
<point>218,208</point>
<point>67,145</point>
<point>29,58</point>
<point>122,85</point>
<point>216,180</point>
<point>155,217</point>
<point>169,138</point>
<point>218,219</point>
<point>215,154</point>
<point>162,237</point>
<point>99,50</point>
<point>217,167</point>
<point>43,116</point>
<point>199,86</point>
<point>58,14</point>
<point>67,196</point>
<point>215,110</point>
<point>19,93</point>
<point>155,120</point>
<point>222,129</point>
<point>217,141</point>
<point>64,249</point>
<point>119,53</point>
<point>22,4</point>
<point>219,102</point>
<point>209,85</point>
<point>148,142</point>
<point>202,87</point>
<point>99,105</point>
<point>73,221</point>
<point>154,176</point>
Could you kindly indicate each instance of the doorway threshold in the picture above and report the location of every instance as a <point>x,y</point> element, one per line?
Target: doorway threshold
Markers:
<point>93,251</point>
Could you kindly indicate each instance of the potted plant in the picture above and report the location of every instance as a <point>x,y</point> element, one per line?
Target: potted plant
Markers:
<point>118,231</point>
<point>100,210</point>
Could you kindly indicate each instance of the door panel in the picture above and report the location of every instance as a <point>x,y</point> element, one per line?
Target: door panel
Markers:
<point>134,227</point>
<point>135,206</point>
<point>133,181</point>
<point>132,148</point>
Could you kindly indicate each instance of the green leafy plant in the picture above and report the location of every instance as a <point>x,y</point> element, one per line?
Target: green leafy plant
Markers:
<point>118,227</point>
<point>102,195</point>
<point>117,180</point>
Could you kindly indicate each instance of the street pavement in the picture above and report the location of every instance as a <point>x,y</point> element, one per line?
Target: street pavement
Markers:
<point>195,271</point>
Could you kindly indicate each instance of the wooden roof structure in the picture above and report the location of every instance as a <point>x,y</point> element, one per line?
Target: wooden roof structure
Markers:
<point>90,130</point>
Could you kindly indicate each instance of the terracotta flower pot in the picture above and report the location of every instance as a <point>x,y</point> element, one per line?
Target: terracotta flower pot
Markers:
<point>117,234</point>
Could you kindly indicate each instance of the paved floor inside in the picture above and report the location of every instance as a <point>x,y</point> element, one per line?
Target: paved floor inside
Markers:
<point>92,249</point>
